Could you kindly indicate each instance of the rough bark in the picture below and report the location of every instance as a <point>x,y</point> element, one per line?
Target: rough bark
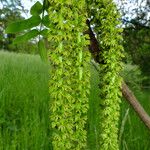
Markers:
<point>130,97</point>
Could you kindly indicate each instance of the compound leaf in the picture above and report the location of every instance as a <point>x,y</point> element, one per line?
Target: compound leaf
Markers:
<point>46,21</point>
<point>27,36</point>
<point>23,24</point>
<point>42,50</point>
<point>36,9</point>
<point>44,32</point>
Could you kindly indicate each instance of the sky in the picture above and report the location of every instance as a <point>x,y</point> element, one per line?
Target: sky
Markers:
<point>129,6</point>
<point>27,5</point>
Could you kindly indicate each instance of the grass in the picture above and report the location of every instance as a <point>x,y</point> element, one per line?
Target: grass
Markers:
<point>24,111</point>
<point>24,116</point>
<point>136,135</point>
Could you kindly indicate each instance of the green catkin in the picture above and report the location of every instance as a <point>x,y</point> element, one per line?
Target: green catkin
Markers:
<point>69,74</point>
<point>105,18</point>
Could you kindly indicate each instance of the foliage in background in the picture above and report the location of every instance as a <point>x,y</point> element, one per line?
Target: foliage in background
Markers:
<point>7,15</point>
<point>12,11</point>
<point>69,75</point>
<point>132,75</point>
<point>105,19</point>
<point>137,46</point>
<point>136,22</point>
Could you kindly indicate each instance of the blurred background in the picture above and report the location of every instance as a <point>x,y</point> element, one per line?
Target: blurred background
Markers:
<point>24,97</point>
<point>135,22</point>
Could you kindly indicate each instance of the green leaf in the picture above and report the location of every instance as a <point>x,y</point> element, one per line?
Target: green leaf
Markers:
<point>42,50</point>
<point>23,24</point>
<point>27,36</point>
<point>46,21</point>
<point>36,9</point>
<point>46,5</point>
<point>44,32</point>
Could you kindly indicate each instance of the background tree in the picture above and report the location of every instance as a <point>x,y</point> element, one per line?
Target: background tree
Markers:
<point>136,22</point>
<point>10,11</point>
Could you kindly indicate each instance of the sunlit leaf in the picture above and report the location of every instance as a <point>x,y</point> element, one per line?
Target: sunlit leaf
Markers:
<point>23,24</point>
<point>36,9</point>
<point>46,21</point>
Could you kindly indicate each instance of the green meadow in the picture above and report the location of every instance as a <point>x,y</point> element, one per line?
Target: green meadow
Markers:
<point>24,108</point>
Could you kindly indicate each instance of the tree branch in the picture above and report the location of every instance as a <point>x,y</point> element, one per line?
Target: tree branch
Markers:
<point>130,97</point>
<point>126,92</point>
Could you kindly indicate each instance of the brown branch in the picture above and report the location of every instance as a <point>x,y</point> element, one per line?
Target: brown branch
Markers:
<point>126,92</point>
<point>130,97</point>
